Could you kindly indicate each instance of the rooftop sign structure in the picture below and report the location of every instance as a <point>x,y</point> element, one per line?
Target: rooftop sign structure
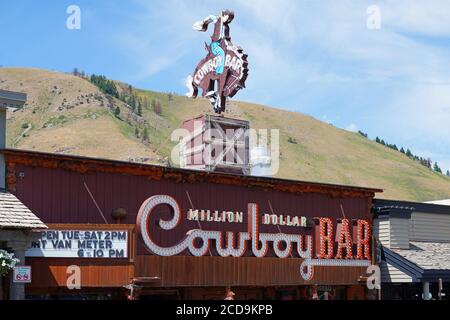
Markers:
<point>222,73</point>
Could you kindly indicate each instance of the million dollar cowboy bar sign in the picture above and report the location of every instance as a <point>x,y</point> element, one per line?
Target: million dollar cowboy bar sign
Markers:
<point>319,241</point>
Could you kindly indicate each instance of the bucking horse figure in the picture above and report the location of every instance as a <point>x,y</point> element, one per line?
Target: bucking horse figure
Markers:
<point>222,73</point>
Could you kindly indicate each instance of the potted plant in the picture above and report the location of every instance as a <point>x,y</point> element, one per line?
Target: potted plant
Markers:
<point>7,262</point>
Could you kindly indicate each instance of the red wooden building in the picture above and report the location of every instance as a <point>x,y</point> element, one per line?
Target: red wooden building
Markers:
<point>172,245</point>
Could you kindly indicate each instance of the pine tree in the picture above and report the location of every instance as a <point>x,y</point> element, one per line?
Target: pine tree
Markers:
<point>363,133</point>
<point>117,112</point>
<point>132,102</point>
<point>408,153</point>
<point>436,168</point>
<point>157,107</point>
<point>402,150</point>
<point>139,110</point>
<point>145,134</point>
<point>105,85</point>
<point>377,140</point>
<point>448,173</point>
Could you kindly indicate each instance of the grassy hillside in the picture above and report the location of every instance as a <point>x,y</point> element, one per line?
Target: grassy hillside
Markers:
<point>68,114</point>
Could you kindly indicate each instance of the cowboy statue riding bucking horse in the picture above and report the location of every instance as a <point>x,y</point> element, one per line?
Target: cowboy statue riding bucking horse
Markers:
<point>222,73</point>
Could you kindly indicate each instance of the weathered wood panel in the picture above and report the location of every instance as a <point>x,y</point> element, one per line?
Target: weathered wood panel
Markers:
<point>182,271</point>
<point>51,273</point>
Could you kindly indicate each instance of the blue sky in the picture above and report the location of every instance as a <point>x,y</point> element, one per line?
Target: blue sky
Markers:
<point>314,57</point>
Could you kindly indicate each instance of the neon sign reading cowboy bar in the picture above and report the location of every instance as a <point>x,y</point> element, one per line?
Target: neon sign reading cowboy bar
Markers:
<point>198,242</point>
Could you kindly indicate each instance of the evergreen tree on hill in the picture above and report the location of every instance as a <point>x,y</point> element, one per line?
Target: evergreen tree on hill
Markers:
<point>106,86</point>
<point>145,134</point>
<point>117,112</point>
<point>436,168</point>
<point>408,153</point>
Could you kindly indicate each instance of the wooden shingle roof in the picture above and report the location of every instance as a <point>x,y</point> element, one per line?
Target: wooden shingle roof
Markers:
<point>15,215</point>
<point>427,255</point>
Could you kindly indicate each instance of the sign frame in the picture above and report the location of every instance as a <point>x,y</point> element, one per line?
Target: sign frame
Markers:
<point>27,270</point>
<point>130,228</point>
